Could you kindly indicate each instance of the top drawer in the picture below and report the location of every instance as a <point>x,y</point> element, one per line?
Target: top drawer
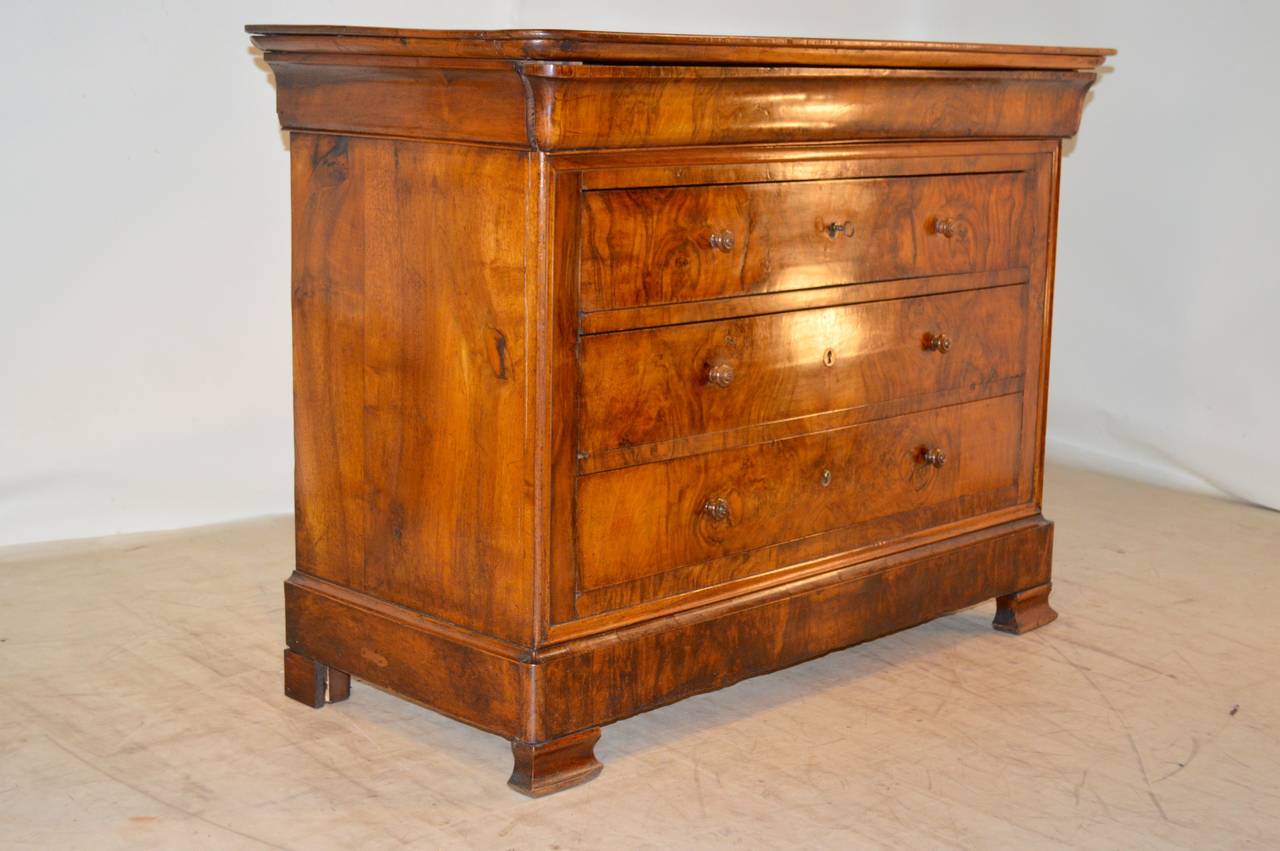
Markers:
<point>685,243</point>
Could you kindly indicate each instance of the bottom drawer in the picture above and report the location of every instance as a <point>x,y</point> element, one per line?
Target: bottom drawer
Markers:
<point>649,519</point>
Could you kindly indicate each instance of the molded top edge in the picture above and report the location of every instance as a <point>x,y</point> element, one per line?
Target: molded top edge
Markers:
<point>665,49</point>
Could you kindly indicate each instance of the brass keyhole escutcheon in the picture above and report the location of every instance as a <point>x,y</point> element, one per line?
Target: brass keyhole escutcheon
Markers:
<point>829,357</point>
<point>826,478</point>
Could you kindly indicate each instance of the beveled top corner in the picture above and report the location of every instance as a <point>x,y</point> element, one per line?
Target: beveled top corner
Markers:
<point>662,49</point>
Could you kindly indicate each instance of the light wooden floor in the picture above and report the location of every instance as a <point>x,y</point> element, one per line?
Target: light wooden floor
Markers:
<point>142,707</point>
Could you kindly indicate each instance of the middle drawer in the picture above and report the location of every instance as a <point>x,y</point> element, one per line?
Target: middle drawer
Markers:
<point>641,388</point>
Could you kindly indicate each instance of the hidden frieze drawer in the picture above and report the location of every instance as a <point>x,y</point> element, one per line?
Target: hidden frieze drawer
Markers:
<point>627,366</point>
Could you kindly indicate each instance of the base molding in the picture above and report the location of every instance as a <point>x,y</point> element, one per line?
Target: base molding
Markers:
<point>551,701</point>
<point>395,650</point>
<point>681,655</point>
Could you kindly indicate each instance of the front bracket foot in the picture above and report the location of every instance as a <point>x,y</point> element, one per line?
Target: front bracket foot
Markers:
<point>306,680</point>
<point>558,764</point>
<point>1024,611</point>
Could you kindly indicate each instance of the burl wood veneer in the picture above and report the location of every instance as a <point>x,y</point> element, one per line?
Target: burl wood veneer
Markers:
<point>629,366</point>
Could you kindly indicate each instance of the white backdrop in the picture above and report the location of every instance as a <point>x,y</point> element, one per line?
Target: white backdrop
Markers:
<point>144,229</point>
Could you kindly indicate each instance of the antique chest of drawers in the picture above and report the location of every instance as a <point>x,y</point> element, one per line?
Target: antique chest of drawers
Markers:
<point>629,366</point>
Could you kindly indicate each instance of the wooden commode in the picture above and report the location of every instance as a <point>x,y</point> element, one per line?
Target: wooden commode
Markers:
<point>629,366</point>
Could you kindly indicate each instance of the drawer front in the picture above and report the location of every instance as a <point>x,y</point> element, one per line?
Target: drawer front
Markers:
<point>644,520</point>
<point>685,243</point>
<point>645,387</point>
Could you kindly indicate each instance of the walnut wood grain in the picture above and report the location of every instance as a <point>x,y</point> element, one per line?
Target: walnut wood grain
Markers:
<point>547,767</point>
<point>310,682</point>
<point>457,672</point>
<point>1024,611</point>
<point>651,246</point>
<point>396,493</point>
<point>579,107</point>
<point>560,458</point>
<point>660,167</point>
<point>683,313</point>
<point>428,101</point>
<point>775,492</point>
<point>730,438</point>
<point>540,697</point>
<point>565,108</point>
<point>695,585</point>
<point>585,90</point>
<point>651,386</point>
<point>648,48</point>
<point>339,685</point>
<point>304,679</point>
<point>670,658</point>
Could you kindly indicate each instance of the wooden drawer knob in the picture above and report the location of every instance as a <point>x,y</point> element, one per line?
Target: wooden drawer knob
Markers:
<point>940,343</point>
<point>933,457</point>
<point>720,375</point>
<point>716,509</point>
<point>722,241</point>
<point>946,227</point>
<point>834,229</point>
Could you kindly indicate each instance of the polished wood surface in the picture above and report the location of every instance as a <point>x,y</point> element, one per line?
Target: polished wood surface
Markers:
<point>628,366</point>
<point>431,101</point>
<point>1024,611</point>
<point>688,588</point>
<point>660,167</point>
<point>577,107</point>
<point>339,684</point>
<point>655,246</point>
<point>553,107</point>
<point>681,313</point>
<point>541,769</point>
<point>591,90</point>
<point>650,48</point>
<point>651,518</point>
<point>654,385</point>
<point>410,387</point>
<point>640,667</point>
<point>457,672</point>
<point>305,680</point>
